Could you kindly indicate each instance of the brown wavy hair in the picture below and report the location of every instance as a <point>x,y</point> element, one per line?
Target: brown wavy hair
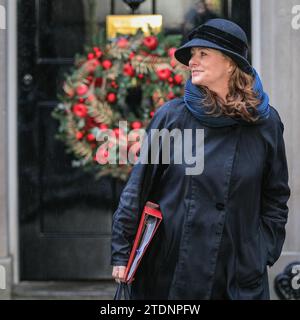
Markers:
<point>241,101</point>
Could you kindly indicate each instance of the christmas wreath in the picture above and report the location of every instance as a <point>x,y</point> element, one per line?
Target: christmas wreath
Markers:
<point>122,79</point>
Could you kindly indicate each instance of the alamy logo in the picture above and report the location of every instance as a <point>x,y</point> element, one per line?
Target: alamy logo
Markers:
<point>2,278</point>
<point>158,146</point>
<point>296,278</point>
<point>296,18</point>
<point>2,18</point>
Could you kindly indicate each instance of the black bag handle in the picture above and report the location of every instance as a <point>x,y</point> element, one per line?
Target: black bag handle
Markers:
<point>122,288</point>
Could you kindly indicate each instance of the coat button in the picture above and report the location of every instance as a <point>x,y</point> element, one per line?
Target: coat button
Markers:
<point>220,206</point>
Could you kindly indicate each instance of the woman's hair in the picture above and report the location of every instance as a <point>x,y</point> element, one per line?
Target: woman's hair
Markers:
<point>242,100</point>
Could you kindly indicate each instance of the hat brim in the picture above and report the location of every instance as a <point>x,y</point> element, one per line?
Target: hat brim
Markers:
<point>183,54</point>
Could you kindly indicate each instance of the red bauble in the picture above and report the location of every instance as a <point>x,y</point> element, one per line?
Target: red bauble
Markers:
<point>128,70</point>
<point>98,52</point>
<point>171,95</point>
<point>90,137</point>
<point>107,64</point>
<point>151,114</point>
<point>92,65</point>
<point>111,97</point>
<point>122,43</point>
<point>90,79</point>
<point>79,135</point>
<point>119,133</point>
<point>173,62</point>
<point>131,55</point>
<point>171,52</point>
<point>114,84</point>
<point>178,79</point>
<point>136,125</point>
<point>82,89</point>
<point>98,82</point>
<point>150,42</point>
<point>90,123</point>
<point>80,110</point>
<point>163,74</point>
<point>90,56</point>
<point>103,126</point>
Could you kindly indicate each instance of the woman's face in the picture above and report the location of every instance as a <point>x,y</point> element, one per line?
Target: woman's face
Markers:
<point>209,67</point>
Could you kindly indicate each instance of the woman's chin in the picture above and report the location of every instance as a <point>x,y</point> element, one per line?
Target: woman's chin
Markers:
<point>197,81</point>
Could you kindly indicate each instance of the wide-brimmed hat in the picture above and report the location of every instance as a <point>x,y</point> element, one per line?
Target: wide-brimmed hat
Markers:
<point>219,34</point>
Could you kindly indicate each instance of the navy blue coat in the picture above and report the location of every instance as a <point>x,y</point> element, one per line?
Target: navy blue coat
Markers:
<point>220,228</point>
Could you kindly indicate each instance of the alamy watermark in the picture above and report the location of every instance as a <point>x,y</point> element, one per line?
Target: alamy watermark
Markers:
<point>296,279</point>
<point>2,278</point>
<point>296,17</point>
<point>2,18</point>
<point>157,146</point>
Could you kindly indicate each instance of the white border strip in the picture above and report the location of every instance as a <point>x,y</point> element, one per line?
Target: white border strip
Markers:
<point>256,34</point>
<point>12,134</point>
<point>2,17</point>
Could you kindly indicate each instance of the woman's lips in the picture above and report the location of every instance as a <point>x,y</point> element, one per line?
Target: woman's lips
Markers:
<point>194,73</point>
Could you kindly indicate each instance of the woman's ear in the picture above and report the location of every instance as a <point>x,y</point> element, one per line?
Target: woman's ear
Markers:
<point>231,67</point>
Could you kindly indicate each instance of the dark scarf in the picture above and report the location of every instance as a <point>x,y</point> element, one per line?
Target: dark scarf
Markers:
<point>193,97</point>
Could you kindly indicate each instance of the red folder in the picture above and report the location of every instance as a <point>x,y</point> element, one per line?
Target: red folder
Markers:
<point>149,222</point>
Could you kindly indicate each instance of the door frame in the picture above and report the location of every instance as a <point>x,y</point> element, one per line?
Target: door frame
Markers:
<point>12,147</point>
<point>256,34</point>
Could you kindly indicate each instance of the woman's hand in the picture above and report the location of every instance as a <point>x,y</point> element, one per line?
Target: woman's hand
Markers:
<point>118,273</point>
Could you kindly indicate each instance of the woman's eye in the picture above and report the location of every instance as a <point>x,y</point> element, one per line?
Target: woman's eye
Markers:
<point>203,54</point>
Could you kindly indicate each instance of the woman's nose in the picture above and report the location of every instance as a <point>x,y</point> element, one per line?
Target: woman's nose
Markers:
<point>192,62</point>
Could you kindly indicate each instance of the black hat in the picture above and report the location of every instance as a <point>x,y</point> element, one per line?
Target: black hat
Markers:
<point>219,34</point>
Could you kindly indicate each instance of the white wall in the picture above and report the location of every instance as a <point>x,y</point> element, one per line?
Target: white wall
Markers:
<point>279,60</point>
<point>3,216</point>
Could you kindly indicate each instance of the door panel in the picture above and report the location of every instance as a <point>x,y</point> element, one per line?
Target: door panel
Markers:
<point>65,214</point>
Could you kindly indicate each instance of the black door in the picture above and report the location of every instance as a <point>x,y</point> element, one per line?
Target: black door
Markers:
<point>65,214</point>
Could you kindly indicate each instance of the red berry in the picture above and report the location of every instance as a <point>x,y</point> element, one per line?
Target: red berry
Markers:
<point>82,89</point>
<point>171,52</point>
<point>178,79</point>
<point>80,110</point>
<point>103,126</point>
<point>79,135</point>
<point>122,43</point>
<point>136,125</point>
<point>91,56</point>
<point>131,55</point>
<point>111,97</point>
<point>171,95</point>
<point>107,64</point>
<point>90,137</point>
<point>163,74</point>
<point>150,42</point>
<point>128,70</point>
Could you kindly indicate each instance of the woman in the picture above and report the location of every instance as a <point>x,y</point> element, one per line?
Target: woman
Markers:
<point>223,227</point>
